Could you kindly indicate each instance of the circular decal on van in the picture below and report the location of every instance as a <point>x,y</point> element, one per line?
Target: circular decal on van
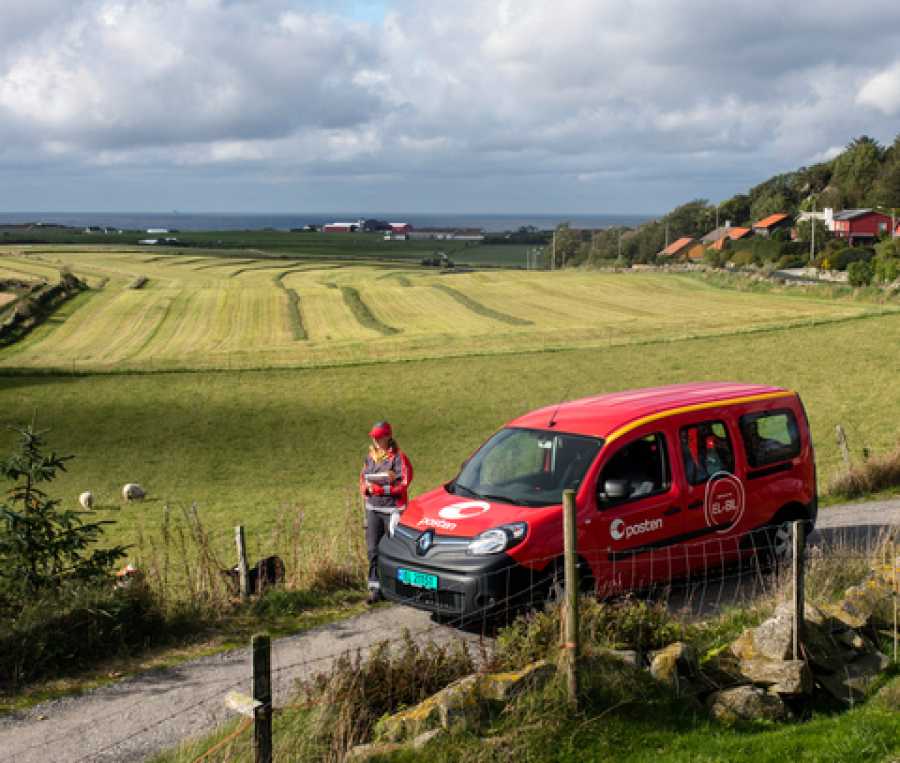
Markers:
<point>464,510</point>
<point>724,503</point>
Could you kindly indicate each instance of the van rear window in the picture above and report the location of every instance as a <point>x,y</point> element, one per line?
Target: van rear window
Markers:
<point>770,437</point>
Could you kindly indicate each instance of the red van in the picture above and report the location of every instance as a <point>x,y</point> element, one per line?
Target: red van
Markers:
<point>668,480</point>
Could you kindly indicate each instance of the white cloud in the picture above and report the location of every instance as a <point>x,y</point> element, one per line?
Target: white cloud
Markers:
<point>882,91</point>
<point>501,93</point>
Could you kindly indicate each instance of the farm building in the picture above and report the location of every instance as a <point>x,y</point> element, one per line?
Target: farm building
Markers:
<point>860,225</point>
<point>768,225</point>
<point>340,227</point>
<point>400,227</point>
<point>723,234</point>
<point>678,248</point>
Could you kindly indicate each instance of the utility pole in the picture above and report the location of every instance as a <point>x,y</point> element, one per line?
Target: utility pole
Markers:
<point>667,235</point>
<point>812,238</point>
<point>717,217</point>
<point>553,255</point>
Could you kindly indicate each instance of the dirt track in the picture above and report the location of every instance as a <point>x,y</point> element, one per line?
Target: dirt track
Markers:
<point>140,716</point>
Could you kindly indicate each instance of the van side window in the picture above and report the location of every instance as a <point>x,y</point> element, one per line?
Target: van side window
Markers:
<point>770,437</point>
<point>637,470</point>
<point>706,450</point>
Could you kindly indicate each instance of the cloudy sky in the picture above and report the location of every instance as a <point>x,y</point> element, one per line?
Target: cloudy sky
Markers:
<point>472,105</point>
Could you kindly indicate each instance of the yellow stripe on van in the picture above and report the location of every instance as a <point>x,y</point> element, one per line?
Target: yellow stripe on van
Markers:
<point>616,434</point>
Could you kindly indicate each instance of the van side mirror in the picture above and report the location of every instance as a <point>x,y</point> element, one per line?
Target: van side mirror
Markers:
<point>616,489</point>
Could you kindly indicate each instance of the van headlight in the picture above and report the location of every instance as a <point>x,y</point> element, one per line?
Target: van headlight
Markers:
<point>497,539</point>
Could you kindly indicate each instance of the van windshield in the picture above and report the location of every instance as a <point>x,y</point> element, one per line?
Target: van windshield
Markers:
<point>528,467</point>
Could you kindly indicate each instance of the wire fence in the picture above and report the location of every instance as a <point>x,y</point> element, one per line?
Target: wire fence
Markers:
<point>684,584</point>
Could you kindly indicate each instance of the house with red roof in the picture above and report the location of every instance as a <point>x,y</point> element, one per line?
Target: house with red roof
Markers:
<point>860,225</point>
<point>677,248</point>
<point>768,225</point>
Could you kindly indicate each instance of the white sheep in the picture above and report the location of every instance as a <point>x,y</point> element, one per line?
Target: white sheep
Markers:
<point>86,499</point>
<point>133,492</point>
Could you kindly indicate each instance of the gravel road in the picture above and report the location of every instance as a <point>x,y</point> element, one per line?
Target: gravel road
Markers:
<point>140,716</point>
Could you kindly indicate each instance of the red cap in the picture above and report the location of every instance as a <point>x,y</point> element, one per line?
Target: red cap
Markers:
<point>381,429</point>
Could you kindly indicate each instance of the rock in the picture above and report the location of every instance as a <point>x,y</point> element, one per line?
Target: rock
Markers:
<point>746,703</point>
<point>851,683</point>
<point>367,752</point>
<point>425,737</point>
<point>788,677</point>
<point>628,656</point>
<point>861,604</point>
<point>889,695</point>
<point>458,706</point>
<point>772,639</point>
<point>674,665</point>
<point>502,687</point>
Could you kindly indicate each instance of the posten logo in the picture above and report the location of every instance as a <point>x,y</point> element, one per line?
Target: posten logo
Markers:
<point>619,530</point>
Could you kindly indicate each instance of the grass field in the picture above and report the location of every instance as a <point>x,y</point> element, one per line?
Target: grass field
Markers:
<point>247,444</point>
<point>199,312</point>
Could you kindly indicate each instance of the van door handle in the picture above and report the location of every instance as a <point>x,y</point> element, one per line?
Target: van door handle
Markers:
<point>671,510</point>
<point>695,505</point>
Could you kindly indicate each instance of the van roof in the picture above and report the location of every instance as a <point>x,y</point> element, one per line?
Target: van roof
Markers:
<point>612,415</point>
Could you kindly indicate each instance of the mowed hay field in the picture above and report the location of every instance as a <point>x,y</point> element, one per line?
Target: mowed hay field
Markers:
<point>205,311</point>
<point>246,445</point>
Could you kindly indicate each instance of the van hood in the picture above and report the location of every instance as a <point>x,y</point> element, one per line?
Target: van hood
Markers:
<point>465,517</point>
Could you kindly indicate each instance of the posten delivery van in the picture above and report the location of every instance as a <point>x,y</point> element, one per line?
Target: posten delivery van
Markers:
<point>669,481</point>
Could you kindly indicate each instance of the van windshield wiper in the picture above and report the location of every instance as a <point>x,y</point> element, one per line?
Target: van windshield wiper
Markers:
<point>471,493</point>
<point>501,498</point>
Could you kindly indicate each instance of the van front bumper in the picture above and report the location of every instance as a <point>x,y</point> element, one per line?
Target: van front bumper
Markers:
<point>468,587</point>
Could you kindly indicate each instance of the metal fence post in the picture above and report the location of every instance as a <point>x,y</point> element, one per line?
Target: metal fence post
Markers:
<point>262,692</point>
<point>243,569</point>
<point>797,537</point>
<point>571,599</point>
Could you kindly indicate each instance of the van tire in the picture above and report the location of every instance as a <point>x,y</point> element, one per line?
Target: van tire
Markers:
<point>553,591</point>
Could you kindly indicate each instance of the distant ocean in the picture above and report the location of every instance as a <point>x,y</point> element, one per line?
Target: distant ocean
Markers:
<point>191,221</point>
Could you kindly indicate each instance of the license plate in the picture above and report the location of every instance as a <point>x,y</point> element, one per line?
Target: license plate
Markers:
<point>417,579</point>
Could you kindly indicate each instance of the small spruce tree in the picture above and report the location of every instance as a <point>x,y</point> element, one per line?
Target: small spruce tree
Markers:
<point>43,546</point>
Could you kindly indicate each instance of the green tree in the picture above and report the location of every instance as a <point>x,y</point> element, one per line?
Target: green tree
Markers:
<point>43,546</point>
<point>736,209</point>
<point>856,170</point>
<point>804,233</point>
<point>859,273</point>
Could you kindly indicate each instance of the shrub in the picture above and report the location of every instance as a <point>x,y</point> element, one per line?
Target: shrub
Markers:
<point>43,547</point>
<point>887,268</point>
<point>790,261</point>
<point>860,273</point>
<point>63,630</point>
<point>841,259</point>
<point>743,258</point>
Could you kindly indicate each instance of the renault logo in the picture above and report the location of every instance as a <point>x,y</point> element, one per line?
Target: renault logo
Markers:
<point>425,541</point>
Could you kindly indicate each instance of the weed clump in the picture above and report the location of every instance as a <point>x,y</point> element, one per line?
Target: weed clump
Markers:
<point>358,690</point>
<point>625,624</point>
<point>878,473</point>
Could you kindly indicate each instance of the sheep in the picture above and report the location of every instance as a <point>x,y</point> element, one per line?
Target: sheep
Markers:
<point>133,492</point>
<point>86,499</point>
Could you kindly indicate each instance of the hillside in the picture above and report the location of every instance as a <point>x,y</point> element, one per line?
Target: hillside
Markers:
<point>865,174</point>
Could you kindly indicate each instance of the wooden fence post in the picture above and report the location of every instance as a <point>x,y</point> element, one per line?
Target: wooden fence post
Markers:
<point>797,538</point>
<point>894,588</point>
<point>842,444</point>
<point>262,692</point>
<point>571,599</point>
<point>243,569</point>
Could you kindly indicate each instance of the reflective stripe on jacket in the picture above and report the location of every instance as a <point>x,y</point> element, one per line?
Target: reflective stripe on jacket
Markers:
<point>386,497</point>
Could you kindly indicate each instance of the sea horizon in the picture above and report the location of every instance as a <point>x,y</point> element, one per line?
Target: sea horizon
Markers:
<point>196,221</point>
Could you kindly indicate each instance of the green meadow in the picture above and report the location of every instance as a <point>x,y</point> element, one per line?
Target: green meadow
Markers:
<point>247,444</point>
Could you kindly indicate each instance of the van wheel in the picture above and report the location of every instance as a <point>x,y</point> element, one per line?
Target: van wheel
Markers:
<point>777,552</point>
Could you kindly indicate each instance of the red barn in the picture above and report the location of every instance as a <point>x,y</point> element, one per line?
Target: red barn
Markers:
<point>400,227</point>
<point>860,225</point>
